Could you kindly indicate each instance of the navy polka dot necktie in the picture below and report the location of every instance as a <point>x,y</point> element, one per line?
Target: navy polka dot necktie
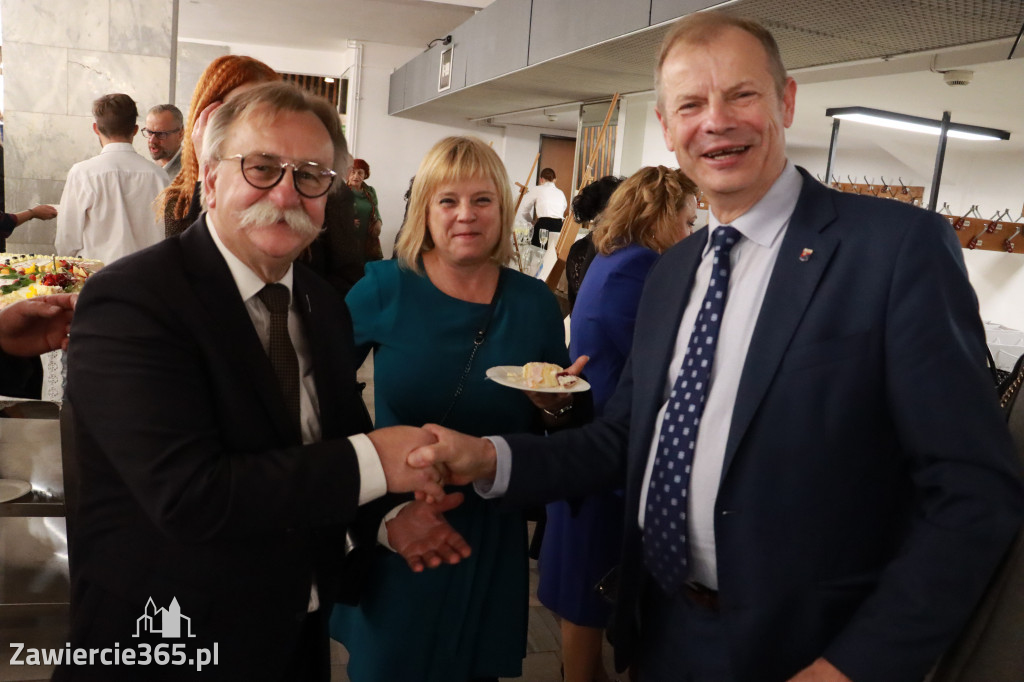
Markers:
<point>665,543</point>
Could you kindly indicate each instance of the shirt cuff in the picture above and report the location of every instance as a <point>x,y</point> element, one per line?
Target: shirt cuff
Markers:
<point>503,471</point>
<point>372,483</point>
<point>382,532</point>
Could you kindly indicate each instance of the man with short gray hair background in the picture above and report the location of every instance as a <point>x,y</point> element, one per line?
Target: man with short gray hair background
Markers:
<point>165,128</point>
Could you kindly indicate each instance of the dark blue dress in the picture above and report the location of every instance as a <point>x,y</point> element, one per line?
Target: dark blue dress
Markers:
<point>452,623</point>
<point>579,550</point>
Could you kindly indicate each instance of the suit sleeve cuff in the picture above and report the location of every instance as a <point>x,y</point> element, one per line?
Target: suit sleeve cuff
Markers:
<point>372,483</point>
<point>382,532</point>
<point>503,471</point>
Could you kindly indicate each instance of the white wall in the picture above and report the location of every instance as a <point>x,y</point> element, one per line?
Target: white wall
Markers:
<point>973,173</point>
<point>394,146</point>
<point>294,60</point>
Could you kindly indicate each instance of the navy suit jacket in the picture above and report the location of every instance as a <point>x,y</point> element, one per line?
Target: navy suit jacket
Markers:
<point>869,486</point>
<point>195,485</point>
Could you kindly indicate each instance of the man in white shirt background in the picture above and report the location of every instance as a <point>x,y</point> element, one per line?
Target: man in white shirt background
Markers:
<point>106,210</point>
<point>544,205</point>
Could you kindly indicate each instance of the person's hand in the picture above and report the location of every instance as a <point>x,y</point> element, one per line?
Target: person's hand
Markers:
<point>199,127</point>
<point>374,230</point>
<point>37,325</point>
<point>461,458</point>
<point>393,444</point>
<point>820,671</point>
<point>552,402</point>
<point>422,536</point>
<point>43,212</point>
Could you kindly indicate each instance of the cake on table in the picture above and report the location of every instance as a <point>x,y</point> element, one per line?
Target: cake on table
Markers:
<point>24,276</point>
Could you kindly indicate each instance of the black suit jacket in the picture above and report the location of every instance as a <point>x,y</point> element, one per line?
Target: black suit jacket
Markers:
<point>194,485</point>
<point>869,486</point>
<point>20,377</point>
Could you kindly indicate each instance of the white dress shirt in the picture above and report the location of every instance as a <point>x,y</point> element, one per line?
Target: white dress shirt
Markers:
<point>107,208</point>
<point>753,260</point>
<point>546,200</point>
<point>372,482</point>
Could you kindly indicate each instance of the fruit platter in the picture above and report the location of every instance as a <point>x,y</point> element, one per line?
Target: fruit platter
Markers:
<point>27,276</point>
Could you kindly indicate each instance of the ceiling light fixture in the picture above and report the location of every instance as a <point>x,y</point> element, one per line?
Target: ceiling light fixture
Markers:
<point>915,124</point>
<point>944,129</point>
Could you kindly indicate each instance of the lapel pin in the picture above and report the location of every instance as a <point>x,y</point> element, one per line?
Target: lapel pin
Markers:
<point>805,255</point>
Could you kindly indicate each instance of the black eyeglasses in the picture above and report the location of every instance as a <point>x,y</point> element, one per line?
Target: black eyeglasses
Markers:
<point>159,134</point>
<point>264,171</point>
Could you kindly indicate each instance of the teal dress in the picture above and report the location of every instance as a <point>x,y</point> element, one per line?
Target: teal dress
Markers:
<point>453,623</point>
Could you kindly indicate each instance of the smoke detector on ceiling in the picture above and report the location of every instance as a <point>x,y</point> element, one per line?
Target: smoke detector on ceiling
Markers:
<point>957,77</point>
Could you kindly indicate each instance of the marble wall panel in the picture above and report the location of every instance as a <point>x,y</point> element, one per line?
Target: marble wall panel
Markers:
<point>141,27</point>
<point>33,237</point>
<point>21,193</point>
<point>40,248</point>
<point>193,58</point>
<point>45,146</point>
<point>36,78</point>
<point>92,74</point>
<point>80,24</point>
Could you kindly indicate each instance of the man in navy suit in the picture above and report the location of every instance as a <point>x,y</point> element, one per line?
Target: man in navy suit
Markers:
<point>851,483</point>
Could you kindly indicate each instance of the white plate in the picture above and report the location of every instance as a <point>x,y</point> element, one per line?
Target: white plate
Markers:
<point>512,376</point>
<point>12,489</point>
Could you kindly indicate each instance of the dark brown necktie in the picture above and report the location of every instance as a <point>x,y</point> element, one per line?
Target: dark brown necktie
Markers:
<point>282,354</point>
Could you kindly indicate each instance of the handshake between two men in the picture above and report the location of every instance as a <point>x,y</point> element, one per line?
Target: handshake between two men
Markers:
<point>424,460</point>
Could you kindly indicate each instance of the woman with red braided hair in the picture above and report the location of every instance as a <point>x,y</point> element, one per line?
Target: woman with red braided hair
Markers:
<point>224,76</point>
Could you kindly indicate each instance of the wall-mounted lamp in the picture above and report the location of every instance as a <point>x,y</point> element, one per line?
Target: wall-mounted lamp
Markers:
<point>915,124</point>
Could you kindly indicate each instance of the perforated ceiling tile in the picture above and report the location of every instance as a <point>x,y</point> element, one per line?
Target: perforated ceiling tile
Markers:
<point>809,32</point>
<point>816,33</point>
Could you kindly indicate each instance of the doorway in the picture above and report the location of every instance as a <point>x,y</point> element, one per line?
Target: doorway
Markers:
<point>558,154</point>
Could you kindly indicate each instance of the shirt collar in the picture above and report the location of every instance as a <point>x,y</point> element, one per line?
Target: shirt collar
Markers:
<point>766,219</point>
<point>248,282</point>
<point>117,147</point>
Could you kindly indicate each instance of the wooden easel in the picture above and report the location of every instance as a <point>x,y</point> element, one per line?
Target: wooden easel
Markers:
<point>523,189</point>
<point>571,228</point>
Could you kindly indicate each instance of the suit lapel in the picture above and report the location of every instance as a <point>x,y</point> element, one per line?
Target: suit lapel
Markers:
<point>320,339</point>
<point>232,328</point>
<point>790,290</point>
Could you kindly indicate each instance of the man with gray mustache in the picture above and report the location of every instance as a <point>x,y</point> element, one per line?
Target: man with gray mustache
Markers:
<point>218,424</point>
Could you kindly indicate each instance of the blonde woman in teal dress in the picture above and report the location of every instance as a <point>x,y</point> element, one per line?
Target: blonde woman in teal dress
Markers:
<point>420,315</point>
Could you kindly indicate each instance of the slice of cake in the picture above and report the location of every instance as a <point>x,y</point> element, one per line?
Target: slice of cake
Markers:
<point>541,374</point>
